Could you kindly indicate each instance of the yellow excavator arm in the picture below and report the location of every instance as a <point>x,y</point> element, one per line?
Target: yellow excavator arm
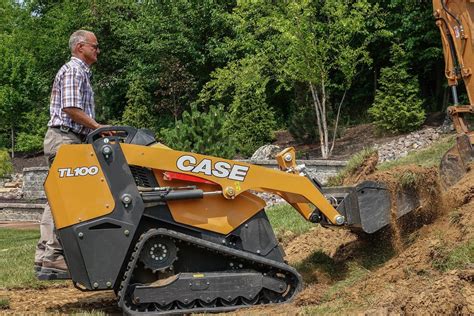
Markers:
<point>455,22</point>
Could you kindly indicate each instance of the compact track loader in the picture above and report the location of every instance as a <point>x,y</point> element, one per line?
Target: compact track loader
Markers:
<point>173,231</point>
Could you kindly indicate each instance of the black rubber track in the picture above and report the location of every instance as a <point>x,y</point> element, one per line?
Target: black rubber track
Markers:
<point>126,288</point>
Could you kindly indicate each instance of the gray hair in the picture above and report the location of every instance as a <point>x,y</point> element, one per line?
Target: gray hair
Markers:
<point>77,37</point>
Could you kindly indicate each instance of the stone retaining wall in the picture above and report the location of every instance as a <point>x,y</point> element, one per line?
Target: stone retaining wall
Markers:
<point>19,212</point>
<point>33,180</point>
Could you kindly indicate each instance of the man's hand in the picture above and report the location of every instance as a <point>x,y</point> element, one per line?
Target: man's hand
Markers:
<point>106,133</point>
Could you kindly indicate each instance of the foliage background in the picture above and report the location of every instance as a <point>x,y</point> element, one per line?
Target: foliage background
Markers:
<point>163,63</point>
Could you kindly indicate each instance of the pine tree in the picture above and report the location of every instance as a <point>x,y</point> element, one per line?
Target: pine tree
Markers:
<point>397,106</point>
<point>202,133</point>
<point>138,111</point>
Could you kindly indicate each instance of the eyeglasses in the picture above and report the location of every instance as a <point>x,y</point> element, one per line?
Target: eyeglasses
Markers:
<point>94,46</point>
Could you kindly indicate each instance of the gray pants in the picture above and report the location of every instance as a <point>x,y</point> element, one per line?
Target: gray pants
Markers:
<point>48,247</point>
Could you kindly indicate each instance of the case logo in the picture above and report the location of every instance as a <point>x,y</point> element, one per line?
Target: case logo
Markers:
<point>78,172</point>
<point>220,169</point>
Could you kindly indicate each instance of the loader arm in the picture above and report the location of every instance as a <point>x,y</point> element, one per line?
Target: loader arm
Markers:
<point>234,178</point>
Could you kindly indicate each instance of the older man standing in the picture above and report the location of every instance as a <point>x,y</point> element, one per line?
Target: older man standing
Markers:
<point>72,111</point>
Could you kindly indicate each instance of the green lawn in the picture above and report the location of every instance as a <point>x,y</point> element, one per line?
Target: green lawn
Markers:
<point>284,218</point>
<point>17,248</point>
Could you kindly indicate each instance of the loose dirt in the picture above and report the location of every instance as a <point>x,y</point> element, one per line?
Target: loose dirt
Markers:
<point>348,274</point>
<point>58,299</point>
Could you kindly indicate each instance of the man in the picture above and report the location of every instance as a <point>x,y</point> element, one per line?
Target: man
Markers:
<point>72,111</point>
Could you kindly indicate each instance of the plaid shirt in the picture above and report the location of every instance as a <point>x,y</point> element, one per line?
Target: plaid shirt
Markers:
<point>72,89</point>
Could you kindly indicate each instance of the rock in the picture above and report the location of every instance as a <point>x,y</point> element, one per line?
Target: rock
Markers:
<point>266,152</point>
<point>15,184</point>
<point>401,146</point>
<point>7,190</point>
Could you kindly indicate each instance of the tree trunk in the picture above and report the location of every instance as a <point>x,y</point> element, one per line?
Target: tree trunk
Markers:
<point>375,81</point>
<point>321,119</point>
<point>13,141</point>
<point>324,119</point>
<point>337,122</point>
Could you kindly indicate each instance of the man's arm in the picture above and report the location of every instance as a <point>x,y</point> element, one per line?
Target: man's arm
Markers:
<point>80,117</point>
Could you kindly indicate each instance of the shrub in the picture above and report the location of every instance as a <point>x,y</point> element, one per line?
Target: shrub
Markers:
<point>202,133</point>
<point>33,128</point>
<point>397,106</point>
<point>29,143</point>
<point>6,166</point>
<point>251,121</point>
<point>302,125</point>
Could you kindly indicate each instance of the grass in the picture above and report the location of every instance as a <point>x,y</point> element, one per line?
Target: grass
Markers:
<point>17,248</point>
<point>4,303</point>
<point>408,179</point>
<point>333,301</point>
<point>455,217</point>
<point>337,307</point>
<point>284,218</point>
<point>428,157</point>
<point>446,259</point>
<point>355,273</point>
<point>352,165</point>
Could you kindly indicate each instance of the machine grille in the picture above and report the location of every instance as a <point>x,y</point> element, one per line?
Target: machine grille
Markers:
<point>143,176</point>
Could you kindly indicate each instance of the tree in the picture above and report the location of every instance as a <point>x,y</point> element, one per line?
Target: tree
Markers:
<point>175,88</point>
<point>322,40</point>
<point>397,106</point>
<point>412,25</point>
<point>241,89</point>
<point>19,85</point>
<point>138,112</point>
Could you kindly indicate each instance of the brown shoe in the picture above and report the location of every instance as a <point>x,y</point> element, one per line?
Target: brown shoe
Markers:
<point>54,270</point>
<point>59,264</point>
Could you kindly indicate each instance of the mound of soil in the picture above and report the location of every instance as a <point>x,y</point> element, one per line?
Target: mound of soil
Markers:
<point>21,162</point>
<point>353,139</point>
<point>410,282</point>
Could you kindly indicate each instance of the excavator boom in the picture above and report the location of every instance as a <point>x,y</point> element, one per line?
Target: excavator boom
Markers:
<point>455,22</point>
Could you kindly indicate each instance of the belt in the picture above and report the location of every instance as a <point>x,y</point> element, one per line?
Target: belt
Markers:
<point>66,129</point>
